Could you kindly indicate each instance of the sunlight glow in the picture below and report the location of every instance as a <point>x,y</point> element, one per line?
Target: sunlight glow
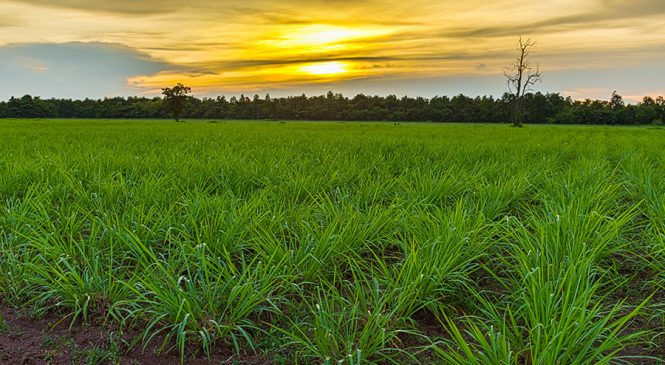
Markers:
<point>292,45</point>
<point>325,68</point>
<point>315,38</point>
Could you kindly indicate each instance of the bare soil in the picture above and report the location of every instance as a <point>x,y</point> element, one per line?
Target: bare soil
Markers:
<point>25,340</point>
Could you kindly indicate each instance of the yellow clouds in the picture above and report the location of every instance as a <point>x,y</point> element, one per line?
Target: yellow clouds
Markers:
<point>320,38</point>
<point>275,56</point>
<point>226,46</point>
<point>251,78</point>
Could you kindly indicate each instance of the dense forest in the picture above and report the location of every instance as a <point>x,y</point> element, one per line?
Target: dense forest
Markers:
<point>538,108</point>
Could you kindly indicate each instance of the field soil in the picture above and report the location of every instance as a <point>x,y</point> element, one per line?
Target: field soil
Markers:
<point>27,340</point>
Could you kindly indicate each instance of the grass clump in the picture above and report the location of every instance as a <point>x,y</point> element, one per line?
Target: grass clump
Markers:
<point>340,243</point>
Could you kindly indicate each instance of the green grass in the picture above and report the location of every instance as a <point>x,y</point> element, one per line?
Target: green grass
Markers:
<point>341,243</point>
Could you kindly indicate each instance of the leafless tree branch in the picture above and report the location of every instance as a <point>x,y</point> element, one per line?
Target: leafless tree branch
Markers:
<point>521,77</point>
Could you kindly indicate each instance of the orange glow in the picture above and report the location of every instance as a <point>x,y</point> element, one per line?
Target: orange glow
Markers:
<point>325,69</point>
<point>266,44</point>
<point>320,37</point>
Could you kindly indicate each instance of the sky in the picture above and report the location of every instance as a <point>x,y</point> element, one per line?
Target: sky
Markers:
<point>100,48</point>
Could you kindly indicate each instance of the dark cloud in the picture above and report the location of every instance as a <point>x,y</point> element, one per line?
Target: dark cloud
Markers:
<point>634,7</point>
<point>93,51</point>
<point>8,22</point>
<point>277,62</point>
<point>607,11</point>
<point>286,16</point>
<point>212,67</point>
<point>74,69</point>
<point>115,6</point>
<point>147,7</point>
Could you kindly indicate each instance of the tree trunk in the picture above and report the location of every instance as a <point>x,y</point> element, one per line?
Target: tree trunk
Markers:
<point>517,113</point>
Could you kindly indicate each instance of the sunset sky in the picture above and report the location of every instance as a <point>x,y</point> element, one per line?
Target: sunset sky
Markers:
<point>94,48</point>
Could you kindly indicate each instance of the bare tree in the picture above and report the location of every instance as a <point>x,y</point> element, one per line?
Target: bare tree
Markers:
<point>521,77</point>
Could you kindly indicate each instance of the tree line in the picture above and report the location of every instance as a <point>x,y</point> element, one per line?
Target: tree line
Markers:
<point>536,108</point>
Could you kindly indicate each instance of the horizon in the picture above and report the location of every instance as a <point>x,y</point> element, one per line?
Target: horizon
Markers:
<point>92,49</point>
<point>228,97</point>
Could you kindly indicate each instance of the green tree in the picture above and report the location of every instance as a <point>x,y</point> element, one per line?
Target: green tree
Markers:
<point>174,99</point>
<point>660,103</point>
<point>616,101</point>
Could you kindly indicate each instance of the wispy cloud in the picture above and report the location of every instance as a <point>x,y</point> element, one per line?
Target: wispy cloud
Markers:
<point>6,21</point>
<point>606,13</point>
<point>264,44</point>
<point>117,6</point>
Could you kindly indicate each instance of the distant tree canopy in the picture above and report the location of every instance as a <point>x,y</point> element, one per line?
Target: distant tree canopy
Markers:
<point>537,108</point>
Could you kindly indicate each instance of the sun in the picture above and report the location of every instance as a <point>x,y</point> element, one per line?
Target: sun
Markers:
<point>325,68</point>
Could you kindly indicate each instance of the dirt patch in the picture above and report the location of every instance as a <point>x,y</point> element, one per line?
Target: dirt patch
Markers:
<point>28,341</point>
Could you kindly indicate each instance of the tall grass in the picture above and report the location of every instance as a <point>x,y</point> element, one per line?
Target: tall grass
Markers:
<point>343,243</point>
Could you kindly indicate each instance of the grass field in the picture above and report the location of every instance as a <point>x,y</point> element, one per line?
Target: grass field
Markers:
<point>338,243</point>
